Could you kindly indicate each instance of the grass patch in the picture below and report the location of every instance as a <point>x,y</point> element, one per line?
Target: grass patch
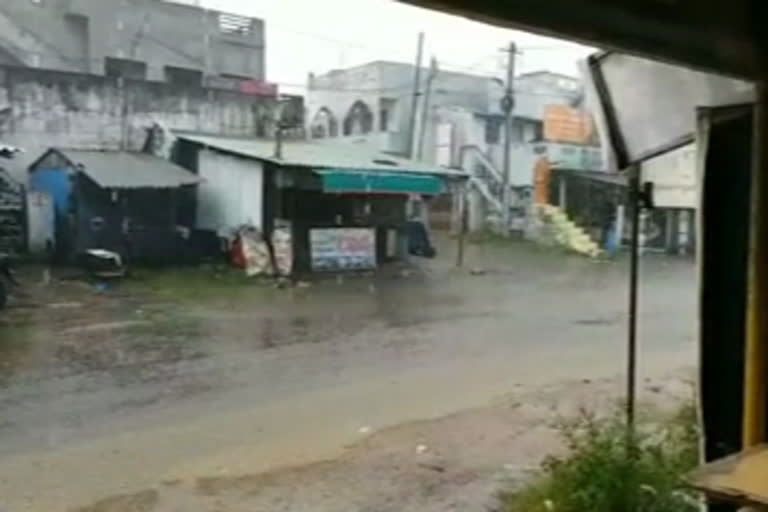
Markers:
<point>596,475</point>
<point>484,241</point>
<point>491,237</point>
<point>199,283</point>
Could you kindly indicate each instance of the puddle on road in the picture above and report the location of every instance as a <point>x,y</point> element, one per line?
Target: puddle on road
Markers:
<point>276,332</point>
<point>598,321</point>
<point>144,501</point>
<point>97,343</point>
<point>17,343</point>
<point>134,338</point>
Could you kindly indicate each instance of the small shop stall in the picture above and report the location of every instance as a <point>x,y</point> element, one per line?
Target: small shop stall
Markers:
<point>344,206</point>
<point>129,203</point>
<point>352,219</point>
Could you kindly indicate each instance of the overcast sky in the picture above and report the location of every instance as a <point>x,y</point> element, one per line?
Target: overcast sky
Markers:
<point>311,35</point>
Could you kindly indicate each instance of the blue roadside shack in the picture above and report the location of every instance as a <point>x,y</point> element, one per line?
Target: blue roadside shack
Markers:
<point>129,203</point>
<point>344,206</point>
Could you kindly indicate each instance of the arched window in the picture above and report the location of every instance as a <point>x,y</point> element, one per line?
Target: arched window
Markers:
<point>359,119</point>
<point>324,124</point>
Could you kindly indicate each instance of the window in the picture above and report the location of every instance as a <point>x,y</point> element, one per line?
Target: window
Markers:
<point>183,76</point>
<point>383,120</point>
<point>233,24</point>
<point>516,131</point>
<point>493,130</point>
<point>359,119</point>
<point>444,148</point>
<point>125,68</point>
<point>324,124</point>
<point>387,114</point>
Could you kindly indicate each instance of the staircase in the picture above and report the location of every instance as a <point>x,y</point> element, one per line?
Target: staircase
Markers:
<point>565,232</point>
<point>486,179</point>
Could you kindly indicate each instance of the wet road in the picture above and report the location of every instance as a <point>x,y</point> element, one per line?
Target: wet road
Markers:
<point>106,394</point>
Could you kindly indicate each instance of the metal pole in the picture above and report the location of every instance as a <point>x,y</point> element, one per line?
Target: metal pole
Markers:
<point>425,108</point>
<point>206,43</point>
<point>507,105</point>
<point>278,141</point>
<point>463,224</point>
<point>416,93</point>
<point>635,205</point>
<point>756,349</point>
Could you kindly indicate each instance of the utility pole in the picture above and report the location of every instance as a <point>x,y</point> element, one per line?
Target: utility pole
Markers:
<point>416,93</point>
<point>636,205</point>
<point>207,60</point>
<point>507,105</point>
<point>433,70</point>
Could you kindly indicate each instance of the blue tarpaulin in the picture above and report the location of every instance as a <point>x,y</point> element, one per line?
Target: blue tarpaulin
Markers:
<point>372,182</point>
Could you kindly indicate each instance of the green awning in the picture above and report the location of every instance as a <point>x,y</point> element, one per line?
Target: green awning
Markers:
<point>375,182</point>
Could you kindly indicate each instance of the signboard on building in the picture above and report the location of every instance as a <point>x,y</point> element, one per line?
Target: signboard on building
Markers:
<point>342,249</point>
<point>566,124</point>
<point>571,156</point>
<point>243,85</point>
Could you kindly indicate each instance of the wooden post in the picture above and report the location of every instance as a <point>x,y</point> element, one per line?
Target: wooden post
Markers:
<point>757,284</point>
<point>670,231</point>
<point>464,216</point>
<point>620,221</point>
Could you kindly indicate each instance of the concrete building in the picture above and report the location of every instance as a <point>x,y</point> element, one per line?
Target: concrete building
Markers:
<point>343,208</point>
<point>461,126</point>
<point>144,39</point>
<point>371,105</point>
<point>42,108</point>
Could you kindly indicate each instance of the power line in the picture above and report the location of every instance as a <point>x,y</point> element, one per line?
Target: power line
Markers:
<point>359,44</point>
<point>403,86</point>
<point>551,48</point>
<point>362,45</point>
<point>438,90</point>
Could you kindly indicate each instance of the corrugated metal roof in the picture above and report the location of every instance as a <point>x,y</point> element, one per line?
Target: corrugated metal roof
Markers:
<point>121,169</point>
<point>319,155</point>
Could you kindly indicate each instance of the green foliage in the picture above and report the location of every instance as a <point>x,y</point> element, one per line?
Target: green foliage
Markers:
<point>195,284</point>
<point>597,475</point>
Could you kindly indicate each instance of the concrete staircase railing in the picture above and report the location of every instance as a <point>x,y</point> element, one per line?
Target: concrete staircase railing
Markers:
<point>567,233</point>
<point>484,177</point>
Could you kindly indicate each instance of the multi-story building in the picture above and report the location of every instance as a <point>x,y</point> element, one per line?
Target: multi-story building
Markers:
<point>144,39</point>
<point>461,124</point>
<point>372,104</point>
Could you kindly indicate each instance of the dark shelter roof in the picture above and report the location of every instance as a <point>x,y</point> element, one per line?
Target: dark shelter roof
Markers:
<point>122,169</point>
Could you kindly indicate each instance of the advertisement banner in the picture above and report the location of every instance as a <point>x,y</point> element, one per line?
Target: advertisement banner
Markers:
<point>342,249</point>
